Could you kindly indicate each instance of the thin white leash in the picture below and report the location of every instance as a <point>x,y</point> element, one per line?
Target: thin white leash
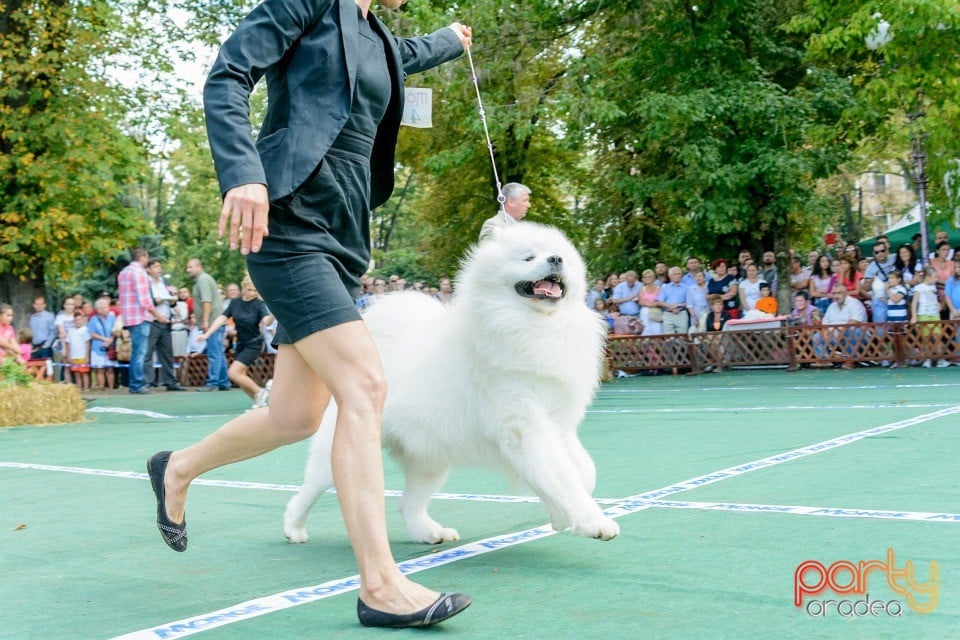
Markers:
<point>486,132</point>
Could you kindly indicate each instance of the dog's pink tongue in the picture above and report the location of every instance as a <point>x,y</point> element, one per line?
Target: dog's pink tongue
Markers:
<point>547,288</point>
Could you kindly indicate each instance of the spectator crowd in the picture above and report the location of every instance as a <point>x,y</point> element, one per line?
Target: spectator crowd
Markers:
<point>135,338</point>
<point>893,284</point>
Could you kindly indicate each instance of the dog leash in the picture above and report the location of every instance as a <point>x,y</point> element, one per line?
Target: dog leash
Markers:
<point>486,132</point>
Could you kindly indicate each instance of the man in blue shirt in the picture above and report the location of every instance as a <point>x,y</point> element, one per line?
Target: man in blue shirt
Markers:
<point>673,301</point>
<point>44,329</point>
<point>693,267</point>
<point>626,294</point>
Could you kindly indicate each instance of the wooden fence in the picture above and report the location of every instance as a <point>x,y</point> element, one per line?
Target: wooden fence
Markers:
<point>790,346</point>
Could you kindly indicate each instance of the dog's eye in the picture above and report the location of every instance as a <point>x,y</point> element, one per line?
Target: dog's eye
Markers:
<point>529,258</point>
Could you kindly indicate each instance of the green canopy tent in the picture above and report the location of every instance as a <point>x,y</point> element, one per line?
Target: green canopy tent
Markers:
<point>904,235</point>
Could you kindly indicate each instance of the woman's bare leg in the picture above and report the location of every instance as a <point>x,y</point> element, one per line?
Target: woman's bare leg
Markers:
<point>300,399</point>
<point>345,363</point>
<point>348,363</point>
<point>239,375</point>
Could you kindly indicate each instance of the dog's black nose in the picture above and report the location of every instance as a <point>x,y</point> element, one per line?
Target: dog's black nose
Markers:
<point>555,261</point>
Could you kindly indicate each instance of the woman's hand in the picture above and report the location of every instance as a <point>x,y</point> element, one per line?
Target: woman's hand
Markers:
<point>464,33</point>
<point>245,209</point>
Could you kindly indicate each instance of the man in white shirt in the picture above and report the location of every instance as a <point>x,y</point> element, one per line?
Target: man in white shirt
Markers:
<point>160,340</point>
<point>514,209</point>
<point>844,310</point>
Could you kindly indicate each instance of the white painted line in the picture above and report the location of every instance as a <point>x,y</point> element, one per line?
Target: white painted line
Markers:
<point>830,512</point>
<point>809,407</point>
<point>776,387</point>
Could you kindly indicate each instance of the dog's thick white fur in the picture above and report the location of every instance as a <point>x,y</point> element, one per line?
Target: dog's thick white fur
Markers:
<point>499,378</point>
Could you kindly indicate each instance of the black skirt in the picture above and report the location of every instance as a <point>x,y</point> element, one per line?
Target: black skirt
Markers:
<point>308,269</point>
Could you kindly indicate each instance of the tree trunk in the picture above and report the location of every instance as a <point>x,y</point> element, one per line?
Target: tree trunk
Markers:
<point>20,294</point>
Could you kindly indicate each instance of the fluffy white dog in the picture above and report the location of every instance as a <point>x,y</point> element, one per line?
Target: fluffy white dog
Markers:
<point>499,378</point>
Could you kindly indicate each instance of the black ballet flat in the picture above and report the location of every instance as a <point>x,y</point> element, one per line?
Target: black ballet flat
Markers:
<point>175,535</point>
<point>446,606</point>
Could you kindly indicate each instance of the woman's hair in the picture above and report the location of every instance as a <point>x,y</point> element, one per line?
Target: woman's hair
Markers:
<point>715,298</point>
<point>943,244</point>
<point>819,271</point>
<point>648,271</point>
<point>802,293</point>
<point>911,264</point>
<point>719,261</point>
<point>851,262</point>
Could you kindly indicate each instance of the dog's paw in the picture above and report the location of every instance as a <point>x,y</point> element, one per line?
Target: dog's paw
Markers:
<point>600,528</point>
<point>296,533</point>
<point>435,535</point>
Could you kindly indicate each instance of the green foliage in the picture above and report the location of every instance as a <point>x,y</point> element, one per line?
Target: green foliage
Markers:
<point>646,130</point>
<point>707,131</point>
<point>68,168</point>
<point>916,71</point>
<point>12,373</point>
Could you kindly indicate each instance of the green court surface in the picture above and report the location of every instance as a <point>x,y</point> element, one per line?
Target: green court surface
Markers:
<point>722,484</point>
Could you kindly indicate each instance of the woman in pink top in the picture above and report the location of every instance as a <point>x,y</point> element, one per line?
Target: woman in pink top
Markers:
<point>941,264</point>
<point>648,299</point>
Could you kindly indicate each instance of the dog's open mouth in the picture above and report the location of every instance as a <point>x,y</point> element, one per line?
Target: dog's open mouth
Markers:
<point>551,288</point>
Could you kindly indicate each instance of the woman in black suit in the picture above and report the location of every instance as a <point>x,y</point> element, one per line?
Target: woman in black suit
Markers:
<point>297,204</point>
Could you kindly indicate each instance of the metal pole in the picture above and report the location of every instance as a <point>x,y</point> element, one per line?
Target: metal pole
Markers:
<point>916,143</point>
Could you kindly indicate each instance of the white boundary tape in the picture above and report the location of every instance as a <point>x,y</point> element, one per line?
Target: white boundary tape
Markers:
<point>835,512</point>
<point>809,407</point>
<point>633,504</point>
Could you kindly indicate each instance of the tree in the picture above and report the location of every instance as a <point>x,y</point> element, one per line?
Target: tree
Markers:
<point>901,58</point>
<point>707,130</point>
<point>519,59</point>
<point>68,169</point>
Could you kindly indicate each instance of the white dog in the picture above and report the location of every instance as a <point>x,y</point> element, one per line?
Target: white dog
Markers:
<point>499,378</point>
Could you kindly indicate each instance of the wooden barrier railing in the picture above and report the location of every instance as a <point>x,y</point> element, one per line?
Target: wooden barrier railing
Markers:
<point>192,371</point>
<point>873,343</point>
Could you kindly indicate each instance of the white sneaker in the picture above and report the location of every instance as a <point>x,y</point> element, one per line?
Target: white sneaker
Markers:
<point>927,363</point>
<point>260,400</point>
<point>941,363</point>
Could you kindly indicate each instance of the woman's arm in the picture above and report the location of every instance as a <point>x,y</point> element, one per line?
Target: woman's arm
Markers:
<point>427,52</point>
<point>216,324</point>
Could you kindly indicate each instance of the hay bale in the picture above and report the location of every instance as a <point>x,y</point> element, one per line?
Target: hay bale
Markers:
<point>40,403</point>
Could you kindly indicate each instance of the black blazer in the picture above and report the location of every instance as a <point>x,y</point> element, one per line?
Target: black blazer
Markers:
<point>308,51</point>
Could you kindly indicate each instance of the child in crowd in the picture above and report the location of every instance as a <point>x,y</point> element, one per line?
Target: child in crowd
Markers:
<point>194,347</point>
<point>926,308</point>
<point>767,303</point>
<point>78,343</point>
<point>9,347</point>
<point>896,297</point>
<point>600,306</point>
<point>25,338</point>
